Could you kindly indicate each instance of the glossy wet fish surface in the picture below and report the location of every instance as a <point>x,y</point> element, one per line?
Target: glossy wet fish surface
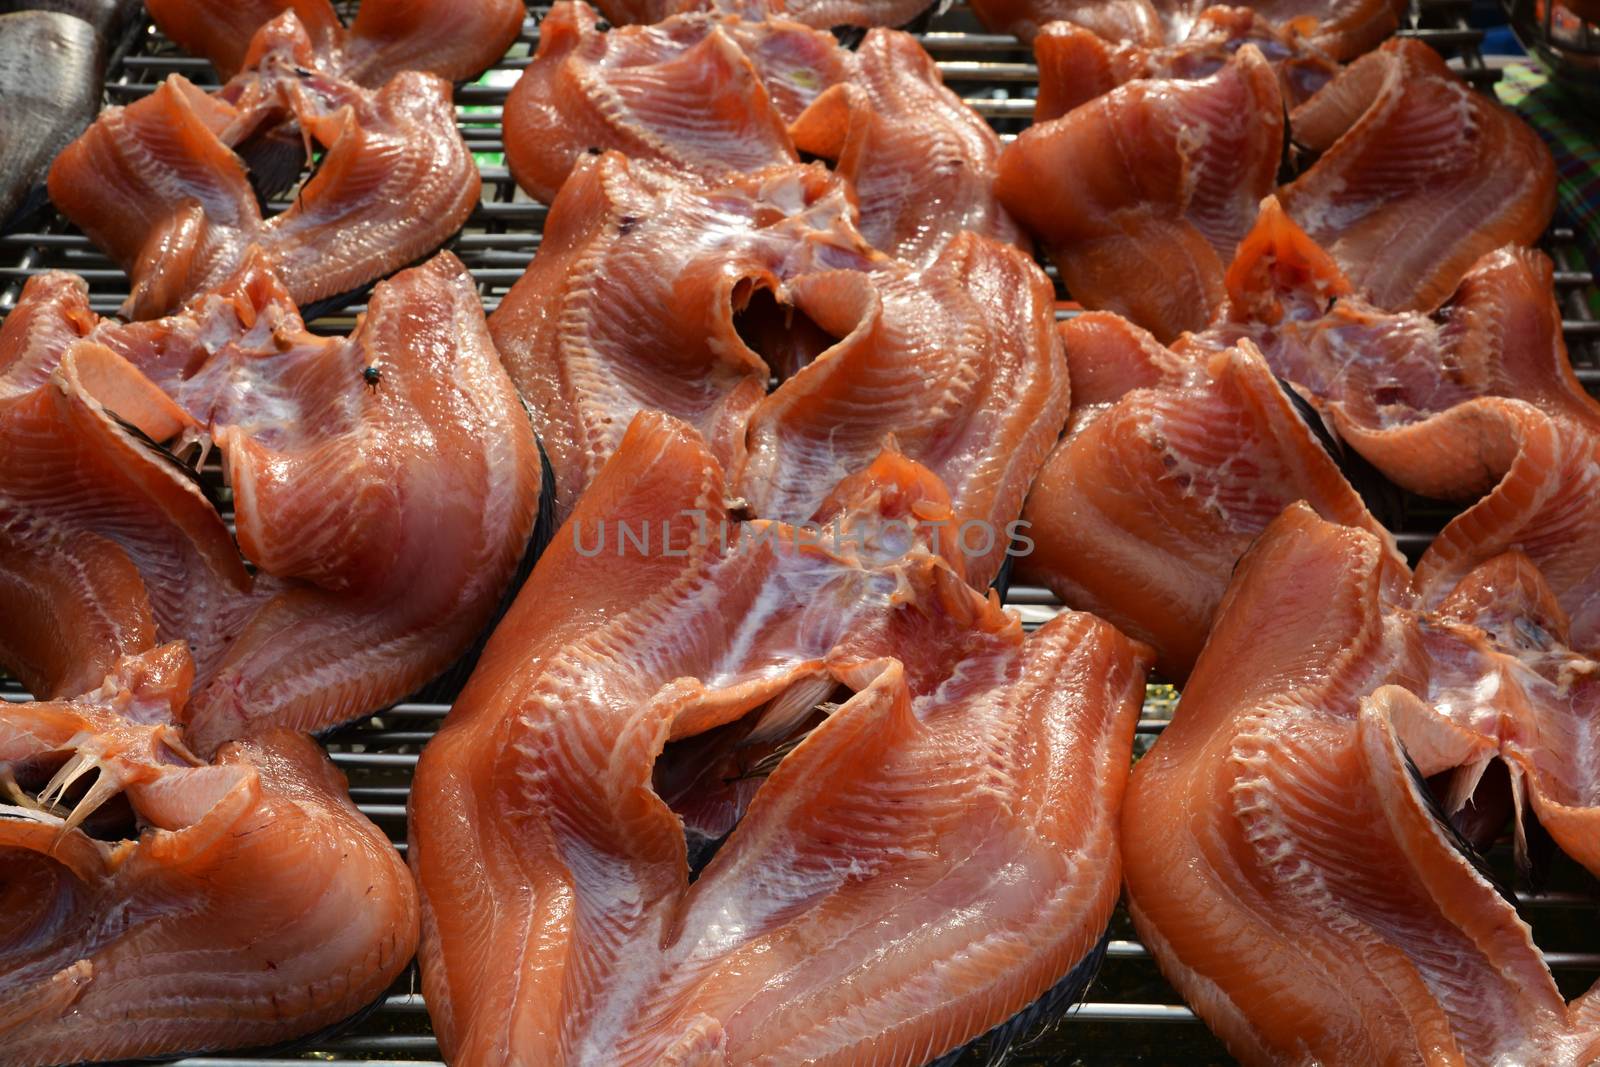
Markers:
<point>455,39</point>
<point>1292,796</point>
<point>179,212</point>
<point>959,802</point>
<point>697,523</point>
<point>167,890</point>
<point>716,93</point>
<point>1141,195</point>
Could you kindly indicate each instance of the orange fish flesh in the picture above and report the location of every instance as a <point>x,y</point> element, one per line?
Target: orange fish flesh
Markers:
<point>158,186</point>
<point>956,803</point>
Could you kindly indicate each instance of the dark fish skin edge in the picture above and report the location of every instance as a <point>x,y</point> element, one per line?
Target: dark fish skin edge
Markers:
<point>283,1049</point>
<point>1380,495</point>
<point>166,456</point>
<point>51,66</point>
<point>1420,785</point>
<point>1034,1021</point>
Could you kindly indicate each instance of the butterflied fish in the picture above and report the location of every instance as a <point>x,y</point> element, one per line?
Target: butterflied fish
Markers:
<point>683,259</point>
<point>684,92</point>
<point>220,30</point>
<point>1135,22</point>
<point>1341,29</point>
<point>455,39</point>
<point>1481,404</point>
<point>958,804</point>
<point>1419,175</point>
<point>1076,64</point>
<point>385,486</point>
<point>920,161</point>
<point>957,363</point>
<point>426,458</point>
<point>827,13</point>
<point>718,94</point>
<point>1292,877</point>
<point>99,534</point>
<point>240,902</point>
<point>1172,468</point>
<point>158,185</point>
<point>1141,195</point>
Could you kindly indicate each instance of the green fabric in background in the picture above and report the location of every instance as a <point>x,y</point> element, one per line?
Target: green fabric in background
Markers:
<point>1574,139</point>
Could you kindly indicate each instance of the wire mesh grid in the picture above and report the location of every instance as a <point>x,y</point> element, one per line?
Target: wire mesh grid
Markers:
<point>1131,1015</point>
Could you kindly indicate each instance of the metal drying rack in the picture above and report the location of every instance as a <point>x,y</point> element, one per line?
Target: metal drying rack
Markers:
<point>1131,1016</point>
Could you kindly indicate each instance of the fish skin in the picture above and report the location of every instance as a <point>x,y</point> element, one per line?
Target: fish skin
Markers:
<point>1279,824</point>
<point>537,812</point>
<point>1141,195</point>
<point>690,256</point>
<point>157,185</point>
<point>717,94</point>
<point>635,90</point>
<point>455,39</point>
<point>1341,29</point>
<point>52,312</point>
<point>957,364</point>
<point>432,469</point>
<point>1405,225</point>
<point>51,67</point>
<point>256,905</point>
<point>1076,64</point>
<point>108,17</point>
<point>905,143</point>
<point>1171,469</point>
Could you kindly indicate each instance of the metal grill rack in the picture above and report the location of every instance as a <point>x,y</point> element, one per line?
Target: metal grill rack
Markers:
<point>1131,1015</point>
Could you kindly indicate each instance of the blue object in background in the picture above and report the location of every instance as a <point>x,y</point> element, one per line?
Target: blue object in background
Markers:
<point>1490,17</point>
<point>1500,41</point>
